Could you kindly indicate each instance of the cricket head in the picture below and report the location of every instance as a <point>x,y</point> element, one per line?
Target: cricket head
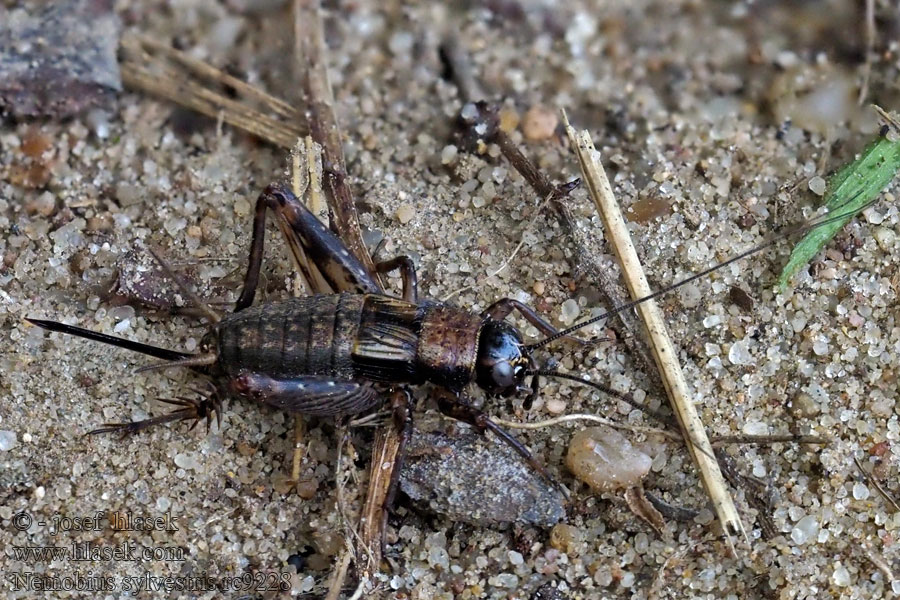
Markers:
<point>503,361</point>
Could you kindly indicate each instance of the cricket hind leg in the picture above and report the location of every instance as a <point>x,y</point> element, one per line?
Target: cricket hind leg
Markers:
<point>310,395</point>
<point>204,406</point>
<point>308,238</point>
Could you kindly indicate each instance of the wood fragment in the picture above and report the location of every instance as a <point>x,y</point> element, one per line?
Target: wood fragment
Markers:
<point>660,344</point>
<point>312,72</point>
<point>166,77</point>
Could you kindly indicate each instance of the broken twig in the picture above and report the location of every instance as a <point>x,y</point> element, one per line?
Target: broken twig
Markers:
<point>610,290</point>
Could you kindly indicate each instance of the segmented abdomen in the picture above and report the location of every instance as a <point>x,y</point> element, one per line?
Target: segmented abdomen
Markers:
<point>311,335</point>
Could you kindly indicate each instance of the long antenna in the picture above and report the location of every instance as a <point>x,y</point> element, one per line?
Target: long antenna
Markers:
<point>828,218</point>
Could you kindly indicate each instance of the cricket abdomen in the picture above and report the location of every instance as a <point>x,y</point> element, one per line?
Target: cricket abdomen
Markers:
<point>311,335</point>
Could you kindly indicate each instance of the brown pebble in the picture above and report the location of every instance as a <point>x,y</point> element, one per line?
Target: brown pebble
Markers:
<point>31,176</point>
<point>245,449</point>
<point>539,123</point>
<point>10,258</point>
<point>566,538</point>
<point>880,449</point>
<point>318,562</point>
<point>740,298</point>
<point>646,209</point>
<point>282,484</point>
<point>35,144</point>
<point>100,223</point>
<point>307,488</point>
<point>328,543</point>
<point>509,119</point>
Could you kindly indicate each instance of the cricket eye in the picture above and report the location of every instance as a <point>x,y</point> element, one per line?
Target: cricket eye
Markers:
<point>503,375</point>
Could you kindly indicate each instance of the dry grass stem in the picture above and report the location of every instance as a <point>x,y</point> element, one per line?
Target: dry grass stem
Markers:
<point>661,345</point>
<point>312,71</point>
<point>214,75</point>
<point>870,43</point>
<point>877,484</point>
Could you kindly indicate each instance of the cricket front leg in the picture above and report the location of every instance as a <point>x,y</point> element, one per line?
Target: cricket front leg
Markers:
<point>458,408</point>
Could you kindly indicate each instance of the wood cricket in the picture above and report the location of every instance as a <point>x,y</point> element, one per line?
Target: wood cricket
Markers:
<point>328,354</point>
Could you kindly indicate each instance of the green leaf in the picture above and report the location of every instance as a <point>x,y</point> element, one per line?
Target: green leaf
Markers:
<point>849,191</point>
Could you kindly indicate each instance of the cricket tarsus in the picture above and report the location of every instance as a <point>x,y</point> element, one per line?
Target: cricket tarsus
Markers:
<point>192,409</point>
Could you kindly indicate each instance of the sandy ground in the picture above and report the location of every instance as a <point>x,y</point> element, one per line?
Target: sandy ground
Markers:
<point>719,113</point>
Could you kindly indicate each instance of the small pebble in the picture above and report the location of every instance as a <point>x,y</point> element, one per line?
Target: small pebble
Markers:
<point>604,459</point>
<point>555,406</point>
<point>566,538</point>
<point>841,576</point>
<point>738,354</point>
<point>755,428</point>
<point>570,311</point>
<point>539,288</point>
<point>186,461</point>
<point>885,237</point>
<point>539,123</point>
<point>448,155</point>
<point>817,186</point>
<point>860,491</point>
<point>405,213</point>
<point>7,440</point>
<point>35,144</point>
<point>805,530</point>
